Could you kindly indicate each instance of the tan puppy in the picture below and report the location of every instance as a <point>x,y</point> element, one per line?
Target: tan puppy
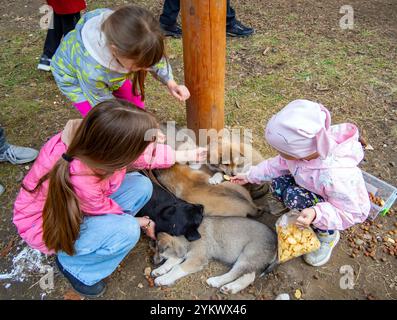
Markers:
<point>233,157</point>
<point>218,197</point>
<point>224,199</point>
<point>247,244</point>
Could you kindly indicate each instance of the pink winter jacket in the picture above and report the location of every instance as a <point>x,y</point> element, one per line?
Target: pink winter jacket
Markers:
<point>92,193</point>
<point>337,179</point>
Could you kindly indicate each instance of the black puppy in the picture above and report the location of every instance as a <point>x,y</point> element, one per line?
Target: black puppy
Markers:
<point>173,215</point>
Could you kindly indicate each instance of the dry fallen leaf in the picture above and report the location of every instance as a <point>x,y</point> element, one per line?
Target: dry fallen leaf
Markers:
<point>6,250</point>
<point>150,282</point>
<point>71,295</point>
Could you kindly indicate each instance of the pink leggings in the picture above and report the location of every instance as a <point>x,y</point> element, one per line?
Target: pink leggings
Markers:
<point>124,92</point>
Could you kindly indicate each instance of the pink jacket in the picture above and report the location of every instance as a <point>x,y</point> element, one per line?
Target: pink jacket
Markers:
<point>337,179</point>
<point>93,194</point>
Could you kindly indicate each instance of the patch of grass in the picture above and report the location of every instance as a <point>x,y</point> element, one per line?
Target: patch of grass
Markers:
<point>328,62</point>
<point>367,33</point>
<point>304,75</point>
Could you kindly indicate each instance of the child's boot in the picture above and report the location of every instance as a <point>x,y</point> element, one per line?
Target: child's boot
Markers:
<point>323,254</point>
<point>94,291</point>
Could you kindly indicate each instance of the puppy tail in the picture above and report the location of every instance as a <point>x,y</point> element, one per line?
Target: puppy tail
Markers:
<point>270,267</point>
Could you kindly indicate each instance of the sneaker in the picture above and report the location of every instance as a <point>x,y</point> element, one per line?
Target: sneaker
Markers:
<point>94,291</point>
<point>237,29</point>
<point>171,31</point>
<point>1,189</point>
<point>44,63</point>
<point>322,255</point>
<point>18,155</point>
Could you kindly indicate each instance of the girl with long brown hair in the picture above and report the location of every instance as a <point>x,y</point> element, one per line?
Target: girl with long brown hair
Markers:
<point>78,201</point>
<point>109,54</point>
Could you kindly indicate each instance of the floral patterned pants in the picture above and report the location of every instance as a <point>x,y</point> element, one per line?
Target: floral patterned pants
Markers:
<point>293,196</point>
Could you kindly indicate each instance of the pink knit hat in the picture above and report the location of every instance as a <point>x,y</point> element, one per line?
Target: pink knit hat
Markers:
<point>300,129</point>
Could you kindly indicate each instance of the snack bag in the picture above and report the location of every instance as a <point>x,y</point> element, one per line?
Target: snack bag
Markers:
<point>292,241</point>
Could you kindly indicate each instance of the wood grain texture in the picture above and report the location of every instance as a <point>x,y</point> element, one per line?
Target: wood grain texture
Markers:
<point>204,55</point>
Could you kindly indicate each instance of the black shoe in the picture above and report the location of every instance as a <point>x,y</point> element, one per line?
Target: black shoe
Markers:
<point>94,291</point>
<point>44,63</point>
<point>237,29</point>
<point>171,31</point>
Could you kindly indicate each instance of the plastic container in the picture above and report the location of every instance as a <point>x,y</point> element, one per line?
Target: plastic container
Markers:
<point>381,189</point>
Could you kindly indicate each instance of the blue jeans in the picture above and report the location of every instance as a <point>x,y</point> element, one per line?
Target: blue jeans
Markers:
<point>105,240</point>
<point>3,142</point>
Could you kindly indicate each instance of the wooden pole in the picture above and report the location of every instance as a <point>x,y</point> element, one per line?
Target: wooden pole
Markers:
<point>204,55</point>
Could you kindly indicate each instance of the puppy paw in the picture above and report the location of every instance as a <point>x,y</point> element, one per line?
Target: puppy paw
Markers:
<point>158,272</point>
<point>230,288</point>
<point>214,282</point>
<point>163,281</point>
<point>216,178</point>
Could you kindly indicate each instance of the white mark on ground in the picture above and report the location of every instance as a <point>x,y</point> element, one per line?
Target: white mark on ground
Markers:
<point>25,263</point>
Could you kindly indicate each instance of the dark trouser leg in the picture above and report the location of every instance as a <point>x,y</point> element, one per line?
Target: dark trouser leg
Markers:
<point>54,37</point>
<point>63,23</point>
<point>3,142</point>
<point>69,22</point>
<point>170,12</point>
<point>230,14</point>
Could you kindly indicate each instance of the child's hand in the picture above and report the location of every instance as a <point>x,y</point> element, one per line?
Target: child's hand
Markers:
<point>148,226</point>
<point>240,178</point>
<point>178,91</point>
<point>194,155</point>
<point>161,137</point>
<point>306,217</point>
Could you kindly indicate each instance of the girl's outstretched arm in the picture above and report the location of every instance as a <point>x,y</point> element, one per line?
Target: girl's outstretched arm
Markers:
<point>156,156</point>
<point>162,71</point>
<point>267,170</point>
<point>160,156</point>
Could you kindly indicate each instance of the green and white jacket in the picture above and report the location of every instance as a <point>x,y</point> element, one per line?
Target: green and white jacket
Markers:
<point>84,67</point>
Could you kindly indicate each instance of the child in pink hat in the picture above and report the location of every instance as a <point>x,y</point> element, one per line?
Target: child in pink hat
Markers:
<point>316,172</point>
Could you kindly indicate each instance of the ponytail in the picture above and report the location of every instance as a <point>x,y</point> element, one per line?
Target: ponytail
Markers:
<point>139,80</point>
<point>61,215</point>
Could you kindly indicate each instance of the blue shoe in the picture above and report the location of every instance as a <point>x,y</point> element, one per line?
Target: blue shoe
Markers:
<point>237,29</point>
<point>44,63</point>
<point>18,155</point>
<point>1,189</point>
<point>94,291</point>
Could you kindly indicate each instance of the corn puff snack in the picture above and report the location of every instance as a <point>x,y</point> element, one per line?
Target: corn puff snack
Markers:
<point>294,242</point>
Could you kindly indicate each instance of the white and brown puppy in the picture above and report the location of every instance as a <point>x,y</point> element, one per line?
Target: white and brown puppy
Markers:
<point>248,245</point>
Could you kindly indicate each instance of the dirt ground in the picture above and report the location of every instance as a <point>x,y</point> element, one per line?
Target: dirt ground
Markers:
<point>298,51</point>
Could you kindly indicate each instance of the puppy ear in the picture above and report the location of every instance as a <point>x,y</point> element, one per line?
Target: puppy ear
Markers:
<point>163,241</point>
<point>198,217</point>
<point>192,235</point>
